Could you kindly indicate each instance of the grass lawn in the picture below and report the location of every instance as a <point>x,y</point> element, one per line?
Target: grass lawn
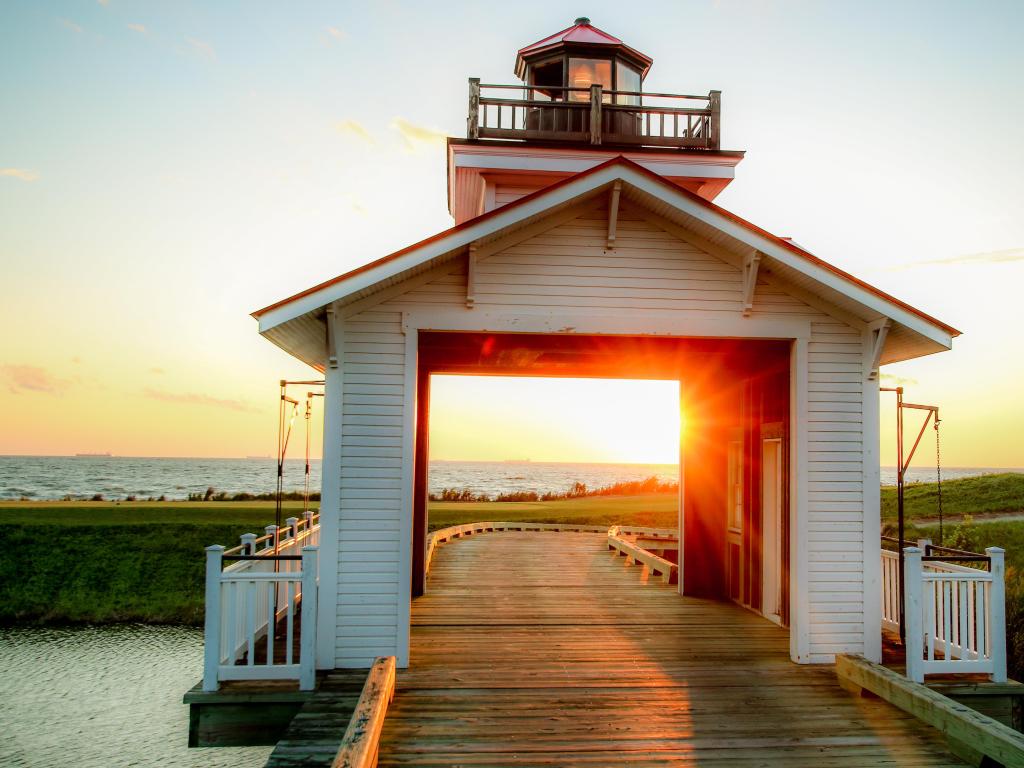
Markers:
<point>984,495</point>
<point>252,515</point>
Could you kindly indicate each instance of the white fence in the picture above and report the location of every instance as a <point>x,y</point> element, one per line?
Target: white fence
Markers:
<point>268,582</point>
<point>955,615</point>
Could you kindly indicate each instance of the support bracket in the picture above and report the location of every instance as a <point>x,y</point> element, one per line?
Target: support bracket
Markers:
<point>879,330</point>
<point>613,212</point>
<point>332,349</point>
<point>751,263</point>
<point>471,258</point>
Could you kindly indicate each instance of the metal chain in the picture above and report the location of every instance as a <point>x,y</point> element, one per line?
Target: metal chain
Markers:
<point>938,477</point>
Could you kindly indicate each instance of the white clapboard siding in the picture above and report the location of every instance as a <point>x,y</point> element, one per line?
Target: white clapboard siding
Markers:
<point>509,193</point>
<point>565,267</point>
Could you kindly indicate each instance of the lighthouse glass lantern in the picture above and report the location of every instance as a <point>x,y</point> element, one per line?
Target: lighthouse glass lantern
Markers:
<point>564,66</point>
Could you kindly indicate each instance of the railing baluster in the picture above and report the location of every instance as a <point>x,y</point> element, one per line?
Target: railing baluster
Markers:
<point>289,622</point>
<point>271,620</point>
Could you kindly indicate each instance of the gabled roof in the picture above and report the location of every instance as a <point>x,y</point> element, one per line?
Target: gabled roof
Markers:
<point>582,32</point>
<point>294,324</point>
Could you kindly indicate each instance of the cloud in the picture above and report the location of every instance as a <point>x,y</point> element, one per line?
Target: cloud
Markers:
<point>988,257</point>
<point>140,28</point>
<point>202,48</point>
<point>31,378</point>
<point>354,128</point>
<point>69,24</point>
<point>192,398</point>
<point>897,381</point>
<point>414,135</point>
<point>337,33</point>
<point>19,173</point>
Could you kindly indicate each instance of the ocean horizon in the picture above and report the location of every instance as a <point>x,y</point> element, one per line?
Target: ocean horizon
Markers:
<point>44,478</point>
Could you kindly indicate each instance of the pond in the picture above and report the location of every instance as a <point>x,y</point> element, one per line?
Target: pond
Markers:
<point>104,696</point>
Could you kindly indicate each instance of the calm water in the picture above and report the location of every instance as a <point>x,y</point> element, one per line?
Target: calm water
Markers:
<point>54,477</point>
<point>104,697</point>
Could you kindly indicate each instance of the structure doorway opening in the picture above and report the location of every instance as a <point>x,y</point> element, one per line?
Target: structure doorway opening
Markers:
<point>734,479</point>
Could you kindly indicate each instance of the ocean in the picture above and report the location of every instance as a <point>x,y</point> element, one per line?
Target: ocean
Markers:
<point>115,478</point>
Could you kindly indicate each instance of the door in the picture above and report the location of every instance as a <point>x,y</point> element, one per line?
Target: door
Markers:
<point>734,520</point>
<point>771,528</point>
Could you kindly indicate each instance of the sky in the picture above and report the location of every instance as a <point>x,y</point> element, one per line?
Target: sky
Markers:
<point>167,168</point>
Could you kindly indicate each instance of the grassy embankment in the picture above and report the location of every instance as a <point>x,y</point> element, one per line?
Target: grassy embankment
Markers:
<point>142,561</point>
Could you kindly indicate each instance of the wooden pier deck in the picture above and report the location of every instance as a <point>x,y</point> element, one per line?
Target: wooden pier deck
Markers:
<point>544,649</point>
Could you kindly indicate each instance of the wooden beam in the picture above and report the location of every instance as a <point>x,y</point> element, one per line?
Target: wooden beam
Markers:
<point>751,262</point>
<point>879,331</point>
<point>960,724</point>
<point>613,212</point>
<point>362,739</point>
<point>471,275</point>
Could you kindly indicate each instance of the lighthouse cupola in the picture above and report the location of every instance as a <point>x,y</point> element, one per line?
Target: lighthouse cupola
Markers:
<point>566,65</point>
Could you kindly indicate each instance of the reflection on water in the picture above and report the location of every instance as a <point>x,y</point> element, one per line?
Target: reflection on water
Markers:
<point>104,696</point>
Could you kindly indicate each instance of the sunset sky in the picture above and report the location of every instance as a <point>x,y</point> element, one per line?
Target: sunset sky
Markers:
<point>166,168</point>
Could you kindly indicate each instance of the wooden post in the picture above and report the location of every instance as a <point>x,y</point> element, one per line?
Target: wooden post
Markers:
<point>997,614</point>
<point>248,543</point>
<point>715,104</point>
<point>473,121</point>
<point>293,526</point>
<point>595,114</point>
<point>913,613</point>
<point>211,629</point>
<point>307,640</point>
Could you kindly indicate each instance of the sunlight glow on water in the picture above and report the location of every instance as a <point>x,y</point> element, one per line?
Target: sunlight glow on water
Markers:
<point>104,696</point>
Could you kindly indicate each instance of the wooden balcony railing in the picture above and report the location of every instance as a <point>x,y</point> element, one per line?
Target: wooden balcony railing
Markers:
<point>593,116</point>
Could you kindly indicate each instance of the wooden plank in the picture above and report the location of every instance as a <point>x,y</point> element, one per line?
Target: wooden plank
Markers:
<point>359,747</point>
<point>961,724</point>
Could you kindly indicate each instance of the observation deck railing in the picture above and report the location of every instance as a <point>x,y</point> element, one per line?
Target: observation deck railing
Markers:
<point>594,116</point>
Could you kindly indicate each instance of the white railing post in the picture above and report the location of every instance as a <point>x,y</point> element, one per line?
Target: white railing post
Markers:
<point>308,515</point>
<point>923,545</point>
<point>307,640</point>
<point>293,526</point>
<point>272,533</point>
<point>211,631</point>
<point>997,613</point>
<point>248,541</point>
<point>913,613</point>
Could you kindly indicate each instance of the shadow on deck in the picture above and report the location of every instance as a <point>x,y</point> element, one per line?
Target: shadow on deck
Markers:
<point>545,649</point>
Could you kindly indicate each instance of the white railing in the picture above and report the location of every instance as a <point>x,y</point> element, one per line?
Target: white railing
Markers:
<point>258,595</point>
<point>955,615</point>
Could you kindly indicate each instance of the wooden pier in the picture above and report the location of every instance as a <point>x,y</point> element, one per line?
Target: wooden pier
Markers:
<point>544,648</point>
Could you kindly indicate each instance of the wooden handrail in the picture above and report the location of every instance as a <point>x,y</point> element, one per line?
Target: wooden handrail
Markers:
<point>361,743</point>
